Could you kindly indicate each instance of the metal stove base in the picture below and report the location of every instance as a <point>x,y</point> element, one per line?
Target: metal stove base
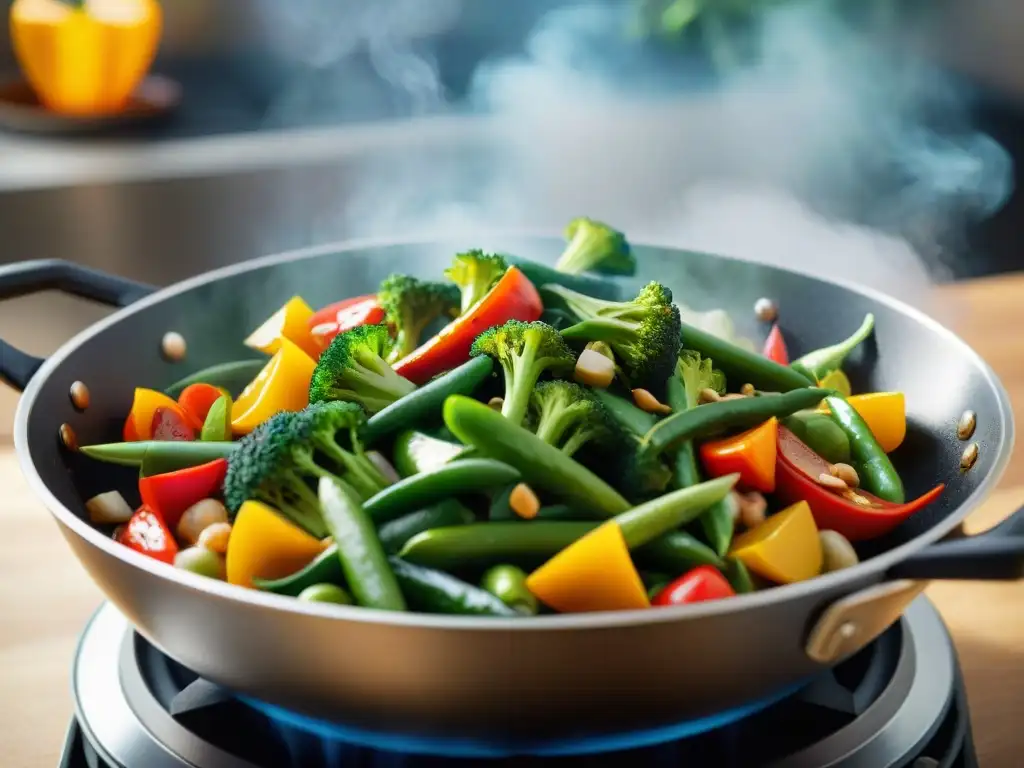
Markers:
<point>903,704</point>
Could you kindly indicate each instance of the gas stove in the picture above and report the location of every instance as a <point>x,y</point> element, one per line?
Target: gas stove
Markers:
<point>899,702</point>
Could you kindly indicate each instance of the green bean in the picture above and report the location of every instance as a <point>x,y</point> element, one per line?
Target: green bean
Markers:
<point>742,365</point>
<point>395,533</point>
<point>367,571</point>
<point>651,519</point>
<point>500,509</point>
<point>625,414</point>
<point>484,544</point>
<point>425,403</point>
<point>433,591</point>
<point>457,477</point>
<point>415,452</point>
<point>715,418</point>
<point>738,575</point>
<point>542,466</point>
<point>508,584</point>
<point>541,275</point>
<point>815,365</point>
<point>718,524</point>
<point>676,552</point>
<point>877,474</point>
<point>233,376</point>
<point>167,454</point>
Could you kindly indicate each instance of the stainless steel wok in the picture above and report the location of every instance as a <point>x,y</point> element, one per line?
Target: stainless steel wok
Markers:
<point>548,677</point>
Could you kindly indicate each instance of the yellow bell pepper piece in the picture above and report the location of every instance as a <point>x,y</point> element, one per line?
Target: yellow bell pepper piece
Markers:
<point>885,413</point>
<point>784,548</point>
<point>266,546</point>
<point>290,322</point>
<point>594,573</point>
<point>282,385</point>
<point>85,58</point>
<point>838,381</point>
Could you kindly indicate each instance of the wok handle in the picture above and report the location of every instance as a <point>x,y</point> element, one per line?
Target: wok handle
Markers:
<point>28,277</point>
<point>997,553</point>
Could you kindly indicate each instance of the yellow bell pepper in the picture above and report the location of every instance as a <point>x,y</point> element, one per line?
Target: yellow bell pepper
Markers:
<point>885,413</point>
<point>85,58</point>
<point>290,322</point>
<point>594,573</point>
<point>784,548</point>
<point>264,545</point>
<point>282,385</point>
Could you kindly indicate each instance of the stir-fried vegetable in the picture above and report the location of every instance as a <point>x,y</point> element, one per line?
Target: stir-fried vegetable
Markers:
<point>622,457</point>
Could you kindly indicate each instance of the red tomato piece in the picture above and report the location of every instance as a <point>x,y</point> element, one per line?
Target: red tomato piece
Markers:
<point>775,346</point>
<point>169,425</point>
<point>171,493</point>
<point>145,532</point>
<point>702,583</point>
<point>197,399</point>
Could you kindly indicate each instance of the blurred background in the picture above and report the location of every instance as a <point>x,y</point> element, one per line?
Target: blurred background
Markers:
<point>873,140</point>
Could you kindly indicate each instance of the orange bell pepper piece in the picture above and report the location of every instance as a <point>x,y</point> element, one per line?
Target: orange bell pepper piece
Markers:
<point>594,573</point>
<point>196,400</point>
<point>266,546</point>
<point>785,548</point>
<point>752,454</point>
<point>282,385</point>
<point>144,407</point>
<point>289,322</point>
<point>513,297</point>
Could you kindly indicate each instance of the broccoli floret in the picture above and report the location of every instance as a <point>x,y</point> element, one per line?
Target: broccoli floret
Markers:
<point>276,462</point>
<point>697,374</point>
<point>475,273</point>
<point>596,247</point>
<point>640,474</point>
<point>568,416</point>
<point>410,305</point>
<point>525,351</point>
<point>643,333</point>
<point>354,368</point>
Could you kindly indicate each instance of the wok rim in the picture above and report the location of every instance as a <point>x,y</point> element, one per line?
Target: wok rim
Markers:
<point>873,567</point>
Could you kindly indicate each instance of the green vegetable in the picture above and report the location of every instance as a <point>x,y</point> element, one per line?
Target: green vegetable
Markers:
<point>508,584</point>
<point>651,519</point>
<point>594,246</point>
<point>632,419</point>
<point>475,273</point>
<point>169,455</point>
<point>416,452</point>
<point>395,533</point>
<point>325,593</point>
<point>877,474</point>
<point>525,351</point>
<point>366,568</point>
<point>354,369</point>
<point>821,434</point>
<point>500,509</point>
<point>201,561</point>
<point>324,569</point>
<point>424,404</point>
<point>638,473</point>
<point>410,305</point>
<point>276,460</point>
<point>542,275</point>
<point>676,552</point>
<point>567,416</point>
<point>233,376</point>
<point>718,524</point>
<point>217,426</point>
<point>738,575</point>
<point>815,365</point>
<point>714,418</point>
<point>695,373</point>
<point>542,466</point>
<point>432,591</point>
<point>643,333</point>
<point>457,477</point>
<point>742,365</point>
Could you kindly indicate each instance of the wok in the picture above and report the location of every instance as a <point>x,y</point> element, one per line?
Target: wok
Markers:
<point>520,684</point>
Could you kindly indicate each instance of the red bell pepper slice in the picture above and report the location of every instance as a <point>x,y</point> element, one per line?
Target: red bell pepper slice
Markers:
<point>513,297</point>
<point>751,453</point>
<point>342,316</point>
<point>702,583</point>
<point>795,471</point>
<point>197,399</point>
<point>170,425</point>
<point>775,346</point>
<point>146,533</point>
<point>171,493</point>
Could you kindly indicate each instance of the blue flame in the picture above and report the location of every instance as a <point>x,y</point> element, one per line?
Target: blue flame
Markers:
<point>477,747</point>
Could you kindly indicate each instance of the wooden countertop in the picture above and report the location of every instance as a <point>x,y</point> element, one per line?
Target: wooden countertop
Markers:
<point>46,597</point>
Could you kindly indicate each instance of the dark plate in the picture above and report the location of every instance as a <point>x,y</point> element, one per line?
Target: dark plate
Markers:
<point>154,100</point>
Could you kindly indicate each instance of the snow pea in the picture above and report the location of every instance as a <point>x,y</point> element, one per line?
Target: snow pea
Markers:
<point>815,365</point>
<point>821,434</point>
<point>676,552</point>
<point>456,477</point>
<point>325,568</point>
<point>542,466</point>
<point>424,404</point>
<point>739,577</point>
<point>877,474</point>
<point>741,413</point>
<point>523,543</point>
<point>647,521</point>
<point>508,584</point>
<point>500,509</point>
<point>743,366</point>
<point>367,571</point>
<point>160,455</point>
<point>433,591</point>
<point>448,512</point>
<point>233,376</point>
<point>416,452</point>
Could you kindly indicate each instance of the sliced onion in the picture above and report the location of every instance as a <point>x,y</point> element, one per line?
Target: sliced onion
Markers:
<point>384,467</point>
<point>108,508</point>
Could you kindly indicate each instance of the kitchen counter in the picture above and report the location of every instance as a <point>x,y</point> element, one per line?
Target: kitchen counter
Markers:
<point>46,597</point>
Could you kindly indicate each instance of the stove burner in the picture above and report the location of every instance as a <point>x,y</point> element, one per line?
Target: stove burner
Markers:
<point>899,702</point>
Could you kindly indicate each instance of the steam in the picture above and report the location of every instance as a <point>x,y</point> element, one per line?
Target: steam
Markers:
<point>823,155</point>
